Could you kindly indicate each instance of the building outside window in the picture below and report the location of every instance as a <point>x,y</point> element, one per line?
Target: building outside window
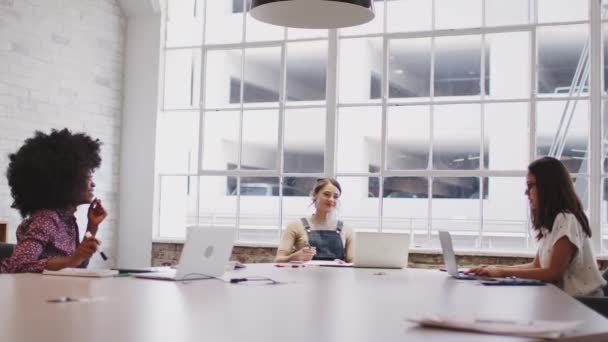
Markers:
<point>428,116</point>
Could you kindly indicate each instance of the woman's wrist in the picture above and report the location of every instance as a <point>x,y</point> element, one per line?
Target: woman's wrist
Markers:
<point>92,228</point>
<point>58,263</point>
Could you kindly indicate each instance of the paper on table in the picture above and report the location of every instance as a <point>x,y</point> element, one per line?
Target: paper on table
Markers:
<point>82,272</point>
<point>329,263</point>
<point>533,328</point>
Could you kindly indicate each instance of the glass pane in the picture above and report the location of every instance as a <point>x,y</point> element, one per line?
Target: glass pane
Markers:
<point>508,58</point>
<point>376,25</point>
<point>223,78</point>
<point>221,140</point>
<point>506,136</point>
<point>505,229</point>
<point>298,187</point>
<point>184,23</point>
<point>260,140</point>
<point>359,129</point>
<point>306,71</point>
<point>177,142</point>
<point>560,50</point>
<point>177,205</point>
<point>405,207</point>
<point>223,22</point>
<point>458,188</point>
<point>562,10</point>
<point>359,203</point>
<point>216,206</point>
<point>260,31</point>
<point>456,137</point>
<point>295,33</point>
<point>453,14</point>
<point>457,65</point>
<point>360,78</point>
<point>512,12</point>
<point>409,68</point>
<point>581,186</point>
<point>304,140</point>
<point>255,186</point>
<point>408,137</point>
<point>182,78</point>
<point>456,209</point>
<point>259,209</point>
<point>571,121</point>
<point>262,75</point>
<point>409,15</point>
<point>604,143</point>
<point>604,215</point>
<point>297,202</point>
<point>605,50</point>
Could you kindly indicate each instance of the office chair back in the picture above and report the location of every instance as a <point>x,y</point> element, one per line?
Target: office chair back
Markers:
<point>6,250</point>
<point>598,304</point>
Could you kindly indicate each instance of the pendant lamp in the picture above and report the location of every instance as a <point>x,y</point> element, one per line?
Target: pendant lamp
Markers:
<point>313,14</point>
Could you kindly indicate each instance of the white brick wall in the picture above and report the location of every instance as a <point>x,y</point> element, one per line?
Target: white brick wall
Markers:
<point>61,65</point>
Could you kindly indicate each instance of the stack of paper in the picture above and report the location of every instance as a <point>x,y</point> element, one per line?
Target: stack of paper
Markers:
<point>534,328</point>
<point>82,272</point>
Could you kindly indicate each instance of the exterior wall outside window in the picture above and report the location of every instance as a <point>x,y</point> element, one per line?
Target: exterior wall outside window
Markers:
<point>436,117</point>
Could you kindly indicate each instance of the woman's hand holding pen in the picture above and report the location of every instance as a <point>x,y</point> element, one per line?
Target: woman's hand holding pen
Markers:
<point>304,254</point>
<point>85,250</point>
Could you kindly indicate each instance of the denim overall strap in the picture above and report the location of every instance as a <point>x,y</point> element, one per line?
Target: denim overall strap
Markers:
<point>327,242</point>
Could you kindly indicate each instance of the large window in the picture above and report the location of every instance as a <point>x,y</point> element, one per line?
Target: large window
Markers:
<point>428,116</point>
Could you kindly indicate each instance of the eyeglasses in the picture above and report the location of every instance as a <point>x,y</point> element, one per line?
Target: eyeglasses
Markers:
<point>529,186</point>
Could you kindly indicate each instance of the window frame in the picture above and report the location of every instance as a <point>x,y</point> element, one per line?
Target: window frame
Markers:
<point>596,97</point>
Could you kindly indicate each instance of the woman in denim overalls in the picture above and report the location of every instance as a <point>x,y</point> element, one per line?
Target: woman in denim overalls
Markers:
<point>319,236</point>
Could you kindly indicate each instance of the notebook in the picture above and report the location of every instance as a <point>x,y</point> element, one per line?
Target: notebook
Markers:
<point>205,254</point>
<point>381,250</point>
<point>536,329</point>
<point>449,258</point>
<point>82,272</point>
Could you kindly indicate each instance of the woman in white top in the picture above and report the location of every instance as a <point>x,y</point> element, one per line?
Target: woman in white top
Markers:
<point>319,236</point>
<point>564,257</point>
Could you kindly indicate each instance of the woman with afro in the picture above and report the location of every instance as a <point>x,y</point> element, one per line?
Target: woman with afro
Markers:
<point>49,176</point>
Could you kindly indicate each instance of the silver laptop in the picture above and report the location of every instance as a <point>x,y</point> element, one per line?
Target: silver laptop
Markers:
<point>205,254</point>
<point>381,250</point>
<point>449,257</point>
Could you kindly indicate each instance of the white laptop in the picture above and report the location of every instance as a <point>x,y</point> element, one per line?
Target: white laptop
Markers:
<point>381,250</point>
<point>449,257</point>
<point>205,254</point>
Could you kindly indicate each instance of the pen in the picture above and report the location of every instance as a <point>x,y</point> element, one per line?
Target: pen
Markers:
<point>292,266</point>
<point>63,299</point>
<point>103,255</point>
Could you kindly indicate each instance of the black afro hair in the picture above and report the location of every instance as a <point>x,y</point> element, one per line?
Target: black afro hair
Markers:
<point>51,171</point>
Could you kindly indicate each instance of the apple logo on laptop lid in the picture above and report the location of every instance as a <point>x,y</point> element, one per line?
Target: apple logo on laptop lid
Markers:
<point>209,251</point>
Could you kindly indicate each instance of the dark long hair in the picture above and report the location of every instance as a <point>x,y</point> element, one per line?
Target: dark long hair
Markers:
<point>555,194</point>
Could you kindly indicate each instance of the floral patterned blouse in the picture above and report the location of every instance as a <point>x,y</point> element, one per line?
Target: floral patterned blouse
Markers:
<point>44,235</point>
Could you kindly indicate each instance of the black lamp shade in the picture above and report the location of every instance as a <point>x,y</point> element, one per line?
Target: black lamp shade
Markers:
<point>313,14</point>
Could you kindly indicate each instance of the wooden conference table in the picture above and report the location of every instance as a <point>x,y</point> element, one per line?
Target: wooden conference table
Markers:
<point>316,304</point>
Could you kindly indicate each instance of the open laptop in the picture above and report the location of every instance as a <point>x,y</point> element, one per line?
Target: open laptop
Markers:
<point>205,254</point>
<point>381,250</point>
<point>450,258</point>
